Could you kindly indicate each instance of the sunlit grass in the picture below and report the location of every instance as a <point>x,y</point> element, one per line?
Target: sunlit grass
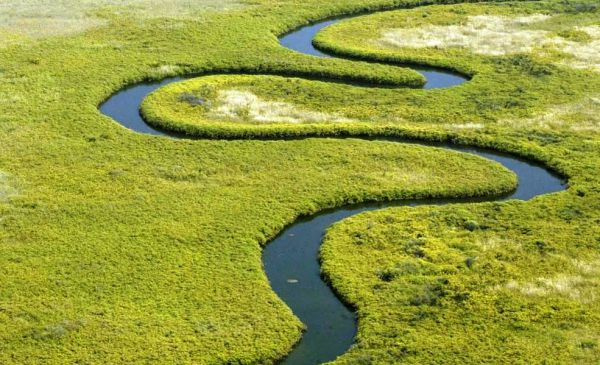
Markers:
<point>483,34</point>
<point>493,35</point>
<point>21,19</point>
<point>7,188</point>
<point>239,105</point>
<point>576,287</point>
<point>116,247</point>
<point>583,116</point>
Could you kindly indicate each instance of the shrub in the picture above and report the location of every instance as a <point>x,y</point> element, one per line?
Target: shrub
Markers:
<point>414,247</point>
<point>470,261</point>
<point>431,294</point>
<point>192,99</point>
<point>471,225</point>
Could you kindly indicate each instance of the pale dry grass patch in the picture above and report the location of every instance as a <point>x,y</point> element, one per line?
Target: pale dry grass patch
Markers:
<point>492,242</point>
<point>587,267</point>
<point>583,116</point>
<point>404,176</point>
<point>575,287</point>
<point>483,34</point>
<point>592,30</point>
<point>8,38</point>
<point>564,284</point>
<point>526,288</point>
<point>469,125</point>
<point>498,36</point>
<point>10,98</point>
<point>46,18</point>
<point>585,54</point>
<point>7,190</point>
<point>164,71</point>
<point>244,105</point>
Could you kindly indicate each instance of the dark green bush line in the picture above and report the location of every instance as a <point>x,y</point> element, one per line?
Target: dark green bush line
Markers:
<point>360,74</point>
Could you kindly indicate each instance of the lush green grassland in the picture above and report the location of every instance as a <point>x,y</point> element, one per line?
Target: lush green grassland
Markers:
<point>139,259</point>
<point>490,283</point>
<point>24,20</point>
<point>122,248</point>
<point>493,283</point>
<point>504,88</point>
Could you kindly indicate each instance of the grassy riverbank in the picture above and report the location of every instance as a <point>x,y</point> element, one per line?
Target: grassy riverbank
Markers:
<point>496,283</point>
<point>117,247</point>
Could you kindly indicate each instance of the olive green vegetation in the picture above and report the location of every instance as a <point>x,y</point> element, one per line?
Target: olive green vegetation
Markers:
<point>515,86</point>
<point>491,283</point>
<point>123,248</point>
<point>496,283</point>
<point>145,258</point>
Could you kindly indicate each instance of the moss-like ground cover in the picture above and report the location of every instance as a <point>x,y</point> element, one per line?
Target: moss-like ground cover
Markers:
<point>122,248</point>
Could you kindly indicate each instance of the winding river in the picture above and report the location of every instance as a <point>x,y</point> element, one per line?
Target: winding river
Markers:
<point>291,260</point>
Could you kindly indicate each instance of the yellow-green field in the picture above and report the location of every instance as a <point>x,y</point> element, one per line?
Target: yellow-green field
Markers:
<point>118,247</point>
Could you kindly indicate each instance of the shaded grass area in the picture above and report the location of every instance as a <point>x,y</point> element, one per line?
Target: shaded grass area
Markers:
<point>127,248</point>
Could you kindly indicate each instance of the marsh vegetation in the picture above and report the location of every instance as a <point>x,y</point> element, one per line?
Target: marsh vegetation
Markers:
<point>23,20</point>
<point>118,247</point>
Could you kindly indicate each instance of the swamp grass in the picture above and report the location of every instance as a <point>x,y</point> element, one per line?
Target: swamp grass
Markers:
<point>123,248</point>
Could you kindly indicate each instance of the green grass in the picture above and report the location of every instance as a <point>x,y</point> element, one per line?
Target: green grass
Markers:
<point>23,20</point>
<point>122,248</point>
<point>493,283</point>
<point>503,89</point>
<point>141,259</point>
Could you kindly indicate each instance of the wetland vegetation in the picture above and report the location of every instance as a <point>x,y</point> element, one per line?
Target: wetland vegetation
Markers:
<point>117,247</point>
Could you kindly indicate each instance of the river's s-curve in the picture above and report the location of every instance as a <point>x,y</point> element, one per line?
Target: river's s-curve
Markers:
<point>291,260</point>
<point>301,40</point>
